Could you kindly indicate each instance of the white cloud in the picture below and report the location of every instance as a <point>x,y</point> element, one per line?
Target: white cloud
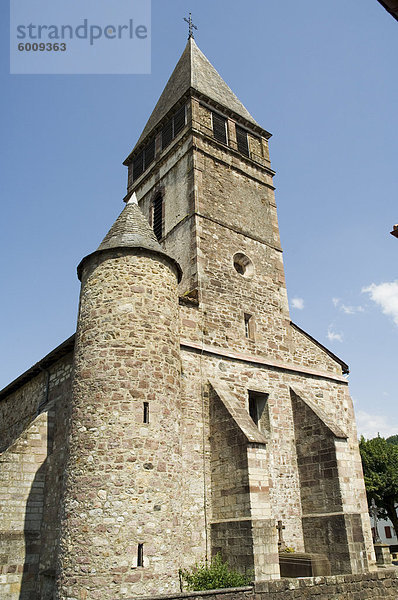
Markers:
<point>333,336</point>
<point>298,303</point>
<point>348,310</point>
<point>370,425</point>
<point>386,296</point>
<point>351,310</point>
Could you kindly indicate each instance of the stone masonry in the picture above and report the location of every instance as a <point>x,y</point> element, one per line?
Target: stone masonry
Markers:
<point>383,585</point>
<point>188,414</point>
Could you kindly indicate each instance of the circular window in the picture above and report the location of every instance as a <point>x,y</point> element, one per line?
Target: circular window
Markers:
<point>243,265</point>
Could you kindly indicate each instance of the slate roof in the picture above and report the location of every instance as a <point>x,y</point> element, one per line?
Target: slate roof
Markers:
<point>131,229</point>
<point>193,70</point>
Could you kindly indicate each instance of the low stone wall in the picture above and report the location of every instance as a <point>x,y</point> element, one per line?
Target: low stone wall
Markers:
<point>382,584</point>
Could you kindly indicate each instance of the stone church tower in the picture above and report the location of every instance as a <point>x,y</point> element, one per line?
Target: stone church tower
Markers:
<point>189,414</point>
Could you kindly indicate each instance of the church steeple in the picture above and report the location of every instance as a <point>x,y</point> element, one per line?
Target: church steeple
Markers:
<point>198,119</point>
<point>194,72</point>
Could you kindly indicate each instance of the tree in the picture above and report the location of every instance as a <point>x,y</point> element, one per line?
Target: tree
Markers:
<point>380,469</point>
<point>393,439</point>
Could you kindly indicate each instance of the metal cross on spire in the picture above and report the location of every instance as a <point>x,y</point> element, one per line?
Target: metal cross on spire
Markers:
<point>191,26</point>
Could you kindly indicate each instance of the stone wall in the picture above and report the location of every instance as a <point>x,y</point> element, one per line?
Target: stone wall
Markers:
<point>242,529</point>
<point>171,175</point>
<point>229,465</point>
<point>381,584</point>
<point>31,467</point>
<point>241,375</point>
<point>326,528</point>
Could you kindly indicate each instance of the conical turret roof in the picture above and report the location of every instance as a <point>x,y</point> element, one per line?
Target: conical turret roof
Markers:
<point>131,230</point>
<point>193,70</point>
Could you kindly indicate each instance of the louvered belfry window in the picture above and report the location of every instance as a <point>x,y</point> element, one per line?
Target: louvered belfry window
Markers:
<point>138,165</point>
<point>158,216</point>
<point>144,159</point>
<point>149,153</point>
<point>179,121</point>
<point>173,127</point>
<point>167,134</point>
<point>219,128</point>
<point>242,141</point>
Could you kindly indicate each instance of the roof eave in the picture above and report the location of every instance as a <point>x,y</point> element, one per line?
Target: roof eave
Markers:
<point>344,365</point>
<point>132,250</point>
<point>59,352</point>
<point>391,6</point>
<point>193,93</point>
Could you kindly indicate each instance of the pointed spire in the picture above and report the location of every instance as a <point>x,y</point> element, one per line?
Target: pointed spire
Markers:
<point>131,230</point>
<point>193,70</point>
<point>133,199</point>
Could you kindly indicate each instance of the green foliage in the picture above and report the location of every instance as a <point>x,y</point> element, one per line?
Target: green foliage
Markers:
<point>393,439</point>
<point>218,574</point>
<point>380,469</point>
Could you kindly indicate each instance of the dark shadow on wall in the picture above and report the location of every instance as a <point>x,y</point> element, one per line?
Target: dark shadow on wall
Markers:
<point>41,526</point>
<point>32,526</point>
<point>327,527</point>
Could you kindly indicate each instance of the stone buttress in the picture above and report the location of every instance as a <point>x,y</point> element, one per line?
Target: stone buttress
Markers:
<point>122,517</point>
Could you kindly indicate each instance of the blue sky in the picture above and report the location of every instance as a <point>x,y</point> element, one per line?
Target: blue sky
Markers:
<point>321,76</point>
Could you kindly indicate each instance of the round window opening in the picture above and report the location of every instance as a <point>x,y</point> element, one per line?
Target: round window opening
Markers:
<point>243,265</point>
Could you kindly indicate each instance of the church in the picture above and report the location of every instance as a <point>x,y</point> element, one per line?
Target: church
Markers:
<point>188,415</point>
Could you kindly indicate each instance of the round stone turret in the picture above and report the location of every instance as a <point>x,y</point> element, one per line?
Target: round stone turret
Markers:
<point>121,524</point>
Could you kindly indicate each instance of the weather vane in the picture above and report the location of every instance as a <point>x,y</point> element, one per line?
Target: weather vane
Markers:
<point>191,26</point>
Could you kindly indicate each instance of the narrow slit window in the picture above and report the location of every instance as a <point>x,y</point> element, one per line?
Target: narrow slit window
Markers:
<point>158,217</point>
<point>249,326</point>
<point>140,555</point>
<point>242,141</point>
<point>219,128</point>
<point>146,412</point>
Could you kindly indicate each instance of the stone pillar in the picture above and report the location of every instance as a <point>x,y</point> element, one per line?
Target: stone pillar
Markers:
<point>329,526</point>
<point>383,555</point>
<point>121,523</point>
<point>242,529</point>
<point>264,532</point>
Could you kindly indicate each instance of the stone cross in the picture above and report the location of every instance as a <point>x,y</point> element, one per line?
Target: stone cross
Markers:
<point>281,541</point>
<point>373,512</point>
<point>191,26</point>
